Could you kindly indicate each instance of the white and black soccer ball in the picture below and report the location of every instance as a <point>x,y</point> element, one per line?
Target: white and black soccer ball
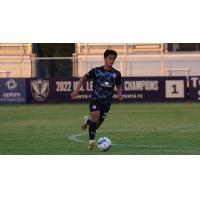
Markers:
<point>104,143</point>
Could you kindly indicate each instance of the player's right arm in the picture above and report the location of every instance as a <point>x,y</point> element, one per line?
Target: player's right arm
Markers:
<point>88,76</point>
<point>80,84</point>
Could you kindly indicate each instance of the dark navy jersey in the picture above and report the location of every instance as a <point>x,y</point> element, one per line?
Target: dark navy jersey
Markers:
<point>104,82</point>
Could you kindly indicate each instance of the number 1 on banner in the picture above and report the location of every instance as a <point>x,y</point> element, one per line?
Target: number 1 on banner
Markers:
<point>174,89</point>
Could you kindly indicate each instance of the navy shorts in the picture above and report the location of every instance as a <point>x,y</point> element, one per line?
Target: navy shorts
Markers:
<point>99,106</point>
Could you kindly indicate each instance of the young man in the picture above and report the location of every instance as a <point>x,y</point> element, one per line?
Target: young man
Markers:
<point>105,78</point>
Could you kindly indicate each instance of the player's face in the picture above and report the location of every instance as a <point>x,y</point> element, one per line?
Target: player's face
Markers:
<point>109,60</point>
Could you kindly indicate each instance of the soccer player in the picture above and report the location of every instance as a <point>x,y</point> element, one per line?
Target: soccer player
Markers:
<point>105,78</point>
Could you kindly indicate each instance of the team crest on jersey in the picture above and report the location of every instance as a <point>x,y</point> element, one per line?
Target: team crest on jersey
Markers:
<point>40,89</point>
<point>114,75</point>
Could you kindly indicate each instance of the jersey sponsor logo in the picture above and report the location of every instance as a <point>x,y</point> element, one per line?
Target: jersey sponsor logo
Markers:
<point>40,89</point>
<point>106,84</point>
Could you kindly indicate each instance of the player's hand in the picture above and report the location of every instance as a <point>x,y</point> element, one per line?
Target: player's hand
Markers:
<point>120,98</point>
<point>74,94</point>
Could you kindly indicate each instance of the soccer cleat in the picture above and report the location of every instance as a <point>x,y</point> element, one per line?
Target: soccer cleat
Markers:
<point>84,125</point>
<point>92,144</point>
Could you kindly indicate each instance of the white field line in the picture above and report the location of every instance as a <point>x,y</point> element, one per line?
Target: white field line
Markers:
<point>76,139</point>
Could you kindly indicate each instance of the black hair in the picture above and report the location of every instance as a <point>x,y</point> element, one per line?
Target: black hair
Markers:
<point>110,52</point>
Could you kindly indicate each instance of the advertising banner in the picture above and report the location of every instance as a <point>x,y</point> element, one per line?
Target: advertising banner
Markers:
<point>154,89</point>
<point>140,89</point>
<point>194,88</point>
<point>12,90</point>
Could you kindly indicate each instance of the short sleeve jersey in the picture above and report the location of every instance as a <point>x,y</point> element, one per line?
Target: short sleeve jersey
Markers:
<point>104,82</point>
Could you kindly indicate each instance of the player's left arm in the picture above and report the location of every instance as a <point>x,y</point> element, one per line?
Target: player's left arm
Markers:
<point>119,87</point>
<point>119,92</point>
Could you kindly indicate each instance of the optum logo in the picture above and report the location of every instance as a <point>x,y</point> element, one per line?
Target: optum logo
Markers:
<point>11,84</point>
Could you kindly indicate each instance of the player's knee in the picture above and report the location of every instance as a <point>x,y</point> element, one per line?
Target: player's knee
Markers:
<point>96,121</point>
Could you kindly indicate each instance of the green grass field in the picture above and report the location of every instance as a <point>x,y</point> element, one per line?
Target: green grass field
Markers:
<point>137,128</point>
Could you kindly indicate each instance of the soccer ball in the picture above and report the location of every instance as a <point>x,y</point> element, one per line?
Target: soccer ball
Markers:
<point>104,143</point>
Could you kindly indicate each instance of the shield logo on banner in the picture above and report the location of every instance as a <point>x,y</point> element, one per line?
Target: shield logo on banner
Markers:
<point>40,89</point>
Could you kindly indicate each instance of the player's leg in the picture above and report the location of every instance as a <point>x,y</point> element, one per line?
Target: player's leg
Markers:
<point>97,118</point>
<point>85,122</point>
<point>93,122</point>
<point>94,106</point>
<point>103,114</point>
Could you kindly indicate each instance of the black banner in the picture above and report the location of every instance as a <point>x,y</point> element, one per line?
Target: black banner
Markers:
<point>140,89</point>
<point>154,89</point>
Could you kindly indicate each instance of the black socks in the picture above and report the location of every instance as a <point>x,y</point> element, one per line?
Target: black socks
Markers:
<point>92,129</point>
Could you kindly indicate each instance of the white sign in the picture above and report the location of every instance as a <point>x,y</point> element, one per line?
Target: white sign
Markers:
<point>174,89</point>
